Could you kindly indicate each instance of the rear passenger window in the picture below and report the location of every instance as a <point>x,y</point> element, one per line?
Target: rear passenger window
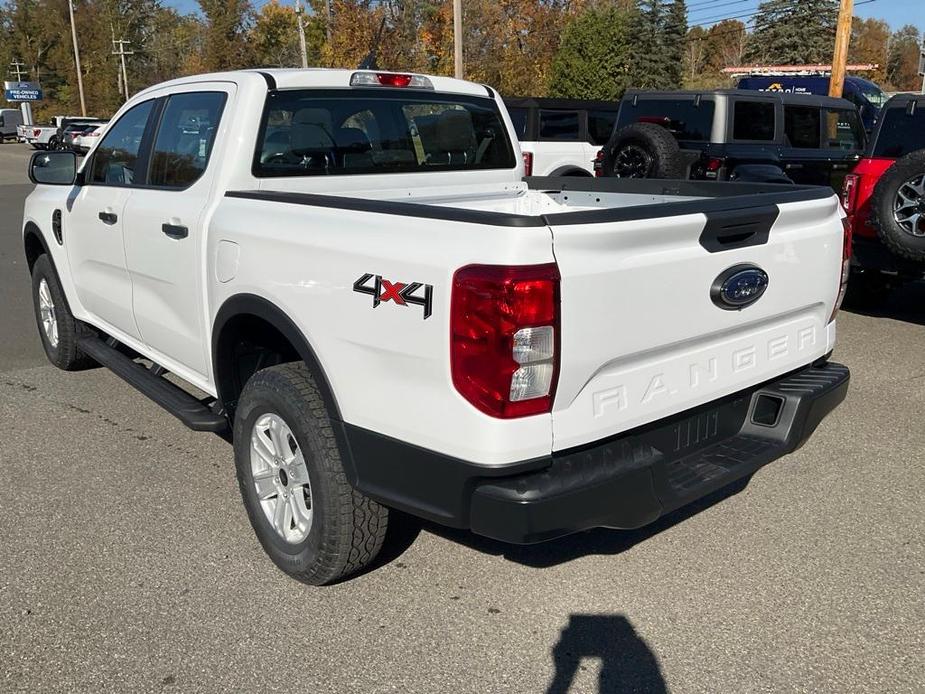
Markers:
<point>600,126</point>
<point>801,126</point>
<point>116,156</point>
<point>683,118</point>
<point>901,132</point>
<point>519,121</point>
<point>753,120</point>
<point>559,125</point>
<point>843,129</point>
<point>184,138</point>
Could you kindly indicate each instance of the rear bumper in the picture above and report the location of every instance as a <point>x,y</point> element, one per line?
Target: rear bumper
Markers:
<point>623,482</point>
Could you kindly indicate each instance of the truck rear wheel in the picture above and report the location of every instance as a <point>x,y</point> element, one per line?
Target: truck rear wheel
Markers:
<point>58,328</point>
<point>898,207</point>
<point>309,520</point>
<point>642,150</point>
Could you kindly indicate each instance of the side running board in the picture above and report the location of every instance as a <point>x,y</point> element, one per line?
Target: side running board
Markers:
<point>192,412</point>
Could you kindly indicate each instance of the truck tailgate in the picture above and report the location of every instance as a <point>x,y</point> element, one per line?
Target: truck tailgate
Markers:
<point>642,336</point>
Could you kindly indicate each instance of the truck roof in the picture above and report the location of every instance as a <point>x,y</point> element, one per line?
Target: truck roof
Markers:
<point>785,97</point>
<point>548,102</point>
<point>320,78</point>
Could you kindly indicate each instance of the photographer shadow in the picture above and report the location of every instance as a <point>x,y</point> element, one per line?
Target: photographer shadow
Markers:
<point>627,662</point>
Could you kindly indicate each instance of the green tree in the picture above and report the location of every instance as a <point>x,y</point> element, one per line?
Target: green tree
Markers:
<point>650,67</point>
<point>902,66</point>
<point>674,43</point>
<point>793,32</point>
<point>595,54</point>
<point>274,37</point>
<point>226,25</point>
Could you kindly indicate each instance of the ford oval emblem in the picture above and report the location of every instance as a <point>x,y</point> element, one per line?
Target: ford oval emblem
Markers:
<point>738,287</point>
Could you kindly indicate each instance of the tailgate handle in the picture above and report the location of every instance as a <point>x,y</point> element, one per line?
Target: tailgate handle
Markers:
<point>726,230</point>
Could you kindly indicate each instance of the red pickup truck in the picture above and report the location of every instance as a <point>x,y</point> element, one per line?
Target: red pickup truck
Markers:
<point>884,198</point>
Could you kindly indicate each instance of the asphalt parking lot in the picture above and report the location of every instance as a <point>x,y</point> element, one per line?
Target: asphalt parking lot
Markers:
<point>127,562</point>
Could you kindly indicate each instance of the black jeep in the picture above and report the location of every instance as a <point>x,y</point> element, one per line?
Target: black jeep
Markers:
<point>734,135</point>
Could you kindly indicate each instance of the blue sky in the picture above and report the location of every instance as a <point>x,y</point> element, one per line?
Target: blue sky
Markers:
<point>895,12</point>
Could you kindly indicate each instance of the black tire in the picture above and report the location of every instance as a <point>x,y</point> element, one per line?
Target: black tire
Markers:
<point>642,150</point>
<point>65,354</point>
<point>884,202</point>
<point>347,528</point>
<point>52,143</point>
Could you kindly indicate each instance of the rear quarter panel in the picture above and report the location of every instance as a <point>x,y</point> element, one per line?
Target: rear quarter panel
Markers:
<point>388,367</point>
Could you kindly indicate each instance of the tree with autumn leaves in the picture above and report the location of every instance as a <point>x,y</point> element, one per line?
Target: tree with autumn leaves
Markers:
<point>573,48</point>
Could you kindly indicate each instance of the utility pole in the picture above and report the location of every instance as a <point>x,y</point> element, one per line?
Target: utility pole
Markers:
<point>327,21</point>
<point>840,57</point>
<point>298,14</point>
<point>457,39</point>
<point>80,79</point>
<point>25,107</point>
<point>17,66</point>
<point>118,48</point>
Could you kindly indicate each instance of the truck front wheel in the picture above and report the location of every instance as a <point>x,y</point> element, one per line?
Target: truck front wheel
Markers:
<point>309,520</point>
<point>58,328</point>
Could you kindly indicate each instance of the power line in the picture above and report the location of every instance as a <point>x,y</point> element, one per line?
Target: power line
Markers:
<point>713,5</point>
<point>719,18</point>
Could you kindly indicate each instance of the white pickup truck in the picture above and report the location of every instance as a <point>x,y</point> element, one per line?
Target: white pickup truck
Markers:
<point>355,285</point>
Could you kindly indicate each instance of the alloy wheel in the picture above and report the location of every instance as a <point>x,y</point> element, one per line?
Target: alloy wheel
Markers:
<point>909,206</point>
<point>281,478</point>
<point>47,313</point>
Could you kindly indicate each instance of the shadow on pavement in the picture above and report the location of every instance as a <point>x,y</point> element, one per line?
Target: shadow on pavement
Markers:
<point>627,662</point>
<point>601,541</point>
<point>906,303</point>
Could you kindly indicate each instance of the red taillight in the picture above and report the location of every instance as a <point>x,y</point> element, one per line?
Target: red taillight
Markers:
<point>598,163</point>
<point>36,132</point>
<point>849,193</point>
<point>714,164</point>
<point>504,337</point>
<point>528,163</point>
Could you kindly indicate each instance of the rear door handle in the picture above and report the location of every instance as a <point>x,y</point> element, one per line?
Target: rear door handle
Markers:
<point>109,217</point>
<point>175,231</point>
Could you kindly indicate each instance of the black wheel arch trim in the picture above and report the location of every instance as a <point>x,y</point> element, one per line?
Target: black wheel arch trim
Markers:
<point>31,229</point>
<point>259,307</point>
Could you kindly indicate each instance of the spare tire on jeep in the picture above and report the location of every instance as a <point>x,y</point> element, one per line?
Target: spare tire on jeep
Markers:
<point>642,150</point>
<point>898,207</point>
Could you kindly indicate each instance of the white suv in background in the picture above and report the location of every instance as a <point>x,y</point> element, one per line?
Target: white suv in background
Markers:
<point>561,137</point>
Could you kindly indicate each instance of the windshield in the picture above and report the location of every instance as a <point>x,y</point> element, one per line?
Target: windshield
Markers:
<point>873,95</point>
<point>341,132</point>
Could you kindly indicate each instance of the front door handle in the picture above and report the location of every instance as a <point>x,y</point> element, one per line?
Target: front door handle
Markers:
<point>109,217</point>
<point>175,231</point>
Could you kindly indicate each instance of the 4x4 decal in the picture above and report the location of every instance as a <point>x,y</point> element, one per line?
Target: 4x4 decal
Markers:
<point>401,293</point>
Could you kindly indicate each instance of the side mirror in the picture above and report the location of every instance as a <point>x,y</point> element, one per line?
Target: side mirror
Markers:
<point>53,168</point>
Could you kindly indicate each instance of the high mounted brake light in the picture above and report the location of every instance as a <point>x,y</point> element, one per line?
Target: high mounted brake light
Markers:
<point>389,79</point>
<point>504,337</point>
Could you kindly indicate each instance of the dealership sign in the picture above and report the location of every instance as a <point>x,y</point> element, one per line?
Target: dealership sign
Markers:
<point>22,91</point>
